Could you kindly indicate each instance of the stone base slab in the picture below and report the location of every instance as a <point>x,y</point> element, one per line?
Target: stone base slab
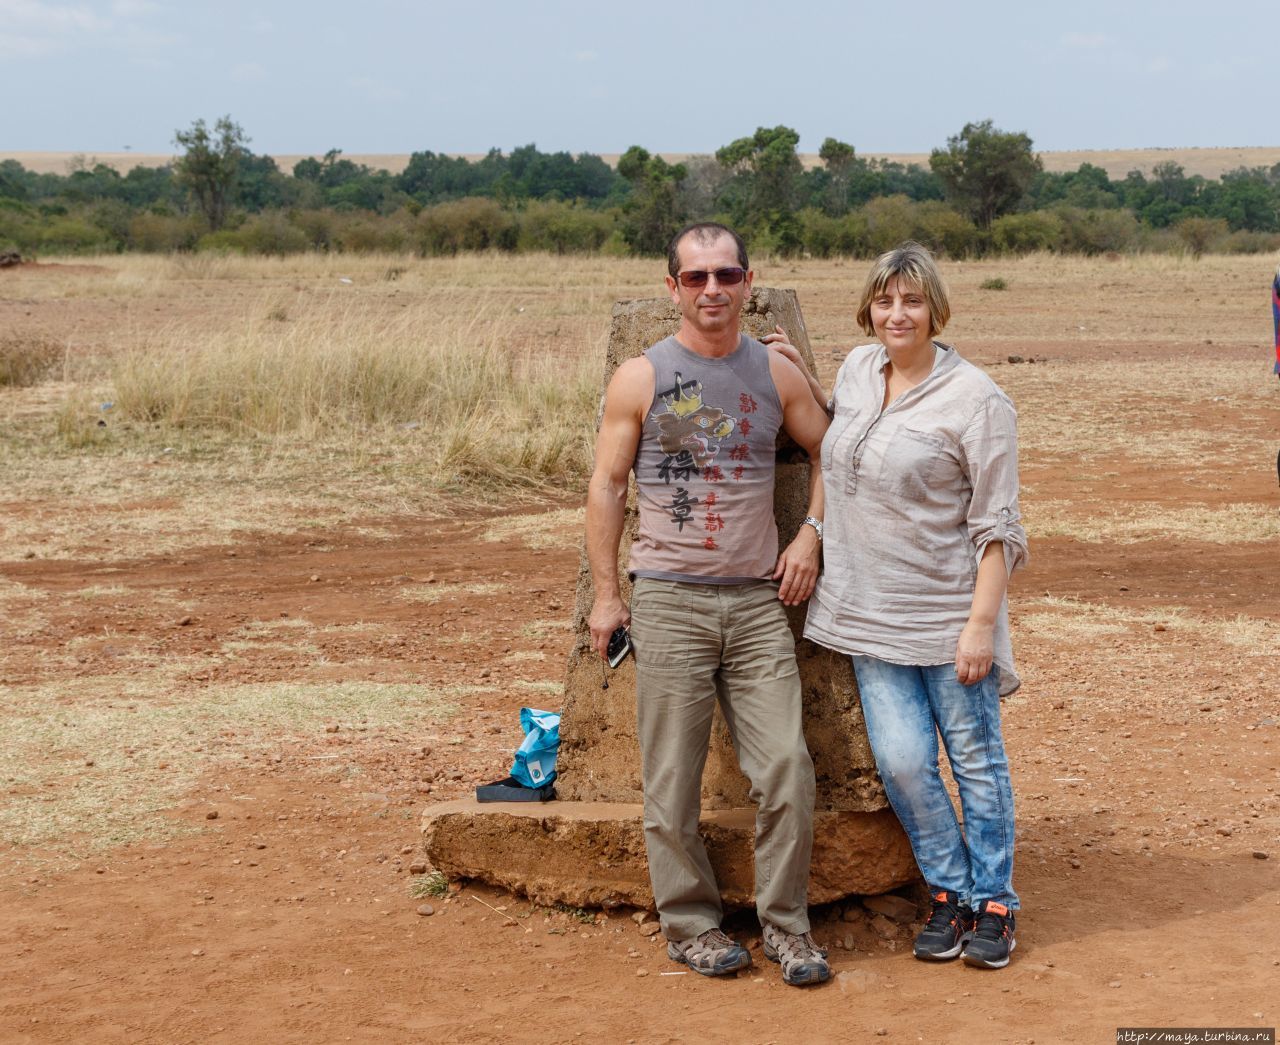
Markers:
<point>591,854</point>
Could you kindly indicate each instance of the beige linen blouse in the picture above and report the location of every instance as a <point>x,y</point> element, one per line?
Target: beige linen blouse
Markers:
<point>914,493</point>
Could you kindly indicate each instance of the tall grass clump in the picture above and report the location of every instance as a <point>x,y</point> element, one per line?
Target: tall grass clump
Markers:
<point>481,408</point>
<point>26,360</point>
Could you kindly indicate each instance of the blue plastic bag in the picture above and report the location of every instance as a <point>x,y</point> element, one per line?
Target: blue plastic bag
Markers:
<point>535,762</point>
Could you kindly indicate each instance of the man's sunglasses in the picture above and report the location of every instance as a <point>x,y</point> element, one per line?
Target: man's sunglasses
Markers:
<point>725,277</point>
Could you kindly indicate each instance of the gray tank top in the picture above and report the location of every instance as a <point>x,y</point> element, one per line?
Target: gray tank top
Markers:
<point>704,467</point>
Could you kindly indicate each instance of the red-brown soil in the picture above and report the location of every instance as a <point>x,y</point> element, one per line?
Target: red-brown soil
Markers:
<point>1146,763</point>
<point>287,918</point>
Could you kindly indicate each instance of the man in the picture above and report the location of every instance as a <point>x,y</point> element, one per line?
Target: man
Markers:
<point>696,418</point>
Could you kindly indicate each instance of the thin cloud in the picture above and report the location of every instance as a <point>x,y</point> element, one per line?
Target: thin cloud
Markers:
<point>34,16</point>
<point>375,90</point>
<point>1088,41</point>
<point>35,29</point>
<point>14,46</point>
<point>133,8</point>
<point>248,72</point>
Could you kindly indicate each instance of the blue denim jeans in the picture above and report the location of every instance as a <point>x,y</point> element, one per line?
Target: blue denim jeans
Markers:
<point>905,709</point>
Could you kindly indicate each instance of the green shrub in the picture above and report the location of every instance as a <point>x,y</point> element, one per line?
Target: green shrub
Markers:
<point>1027,232</point>
<point>563,228</point>
<point>890,220</point>
<point>223,241</point>
<point>472,223</point>
<point>994,283</point>
<point>112,217</point>
<point>161,233</point>
<point>19,226</point>
<point>1245,242</point>
<point>827,237</point>
<point>1098,231</point>
<point>819,231</point>
<point>943,230</point>
<point>68,235</point>
<point>367,234</point>
<point>616,245</point>
<point>317,225</point>
<point>1199,235</point>
<point>272,233</point>
<point>1150,240</point>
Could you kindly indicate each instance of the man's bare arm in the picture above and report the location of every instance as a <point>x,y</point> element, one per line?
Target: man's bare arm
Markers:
<point>627,399</point>
<point>806,422</point>
<point>779,342</point>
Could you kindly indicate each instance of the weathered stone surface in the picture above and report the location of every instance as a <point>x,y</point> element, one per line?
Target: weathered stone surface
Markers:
<point>898,908</point>
<point>591,854</point>
<point>599,758</point>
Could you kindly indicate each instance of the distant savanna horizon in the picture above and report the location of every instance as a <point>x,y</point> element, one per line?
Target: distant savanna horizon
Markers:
<point>1206,162</point>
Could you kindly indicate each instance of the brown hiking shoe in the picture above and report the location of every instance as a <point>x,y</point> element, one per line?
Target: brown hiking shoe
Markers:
<point>711,953</point>
<point>803,961</point>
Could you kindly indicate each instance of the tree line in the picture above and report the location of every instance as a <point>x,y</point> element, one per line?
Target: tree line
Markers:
<point>985,192</point>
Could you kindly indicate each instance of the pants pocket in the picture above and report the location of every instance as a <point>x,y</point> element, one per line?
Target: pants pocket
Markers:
<point>661,625</point>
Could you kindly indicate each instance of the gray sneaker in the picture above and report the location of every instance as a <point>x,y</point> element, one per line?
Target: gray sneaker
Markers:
<point>803,961</point>
<point>711,953</point>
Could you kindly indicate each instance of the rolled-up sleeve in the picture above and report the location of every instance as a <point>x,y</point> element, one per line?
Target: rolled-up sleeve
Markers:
<point>989,446</point>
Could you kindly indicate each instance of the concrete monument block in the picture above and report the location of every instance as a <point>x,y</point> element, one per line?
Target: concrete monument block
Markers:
<point>591,854</point>
<point>599,757</point>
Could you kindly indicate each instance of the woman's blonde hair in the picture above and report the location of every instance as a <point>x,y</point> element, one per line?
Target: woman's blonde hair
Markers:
<point>910,263</point>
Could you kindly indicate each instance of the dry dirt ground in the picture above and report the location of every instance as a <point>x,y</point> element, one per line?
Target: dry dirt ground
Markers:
<point>219,742</point>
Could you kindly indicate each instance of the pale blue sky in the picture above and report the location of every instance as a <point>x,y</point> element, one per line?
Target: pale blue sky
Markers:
<point>381,76</point>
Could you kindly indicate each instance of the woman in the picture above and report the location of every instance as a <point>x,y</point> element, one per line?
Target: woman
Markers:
<point>922,531</point>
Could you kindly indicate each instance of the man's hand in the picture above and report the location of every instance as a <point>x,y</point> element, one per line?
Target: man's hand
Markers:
<point>974,652</point>
<point>798,567</point>
<point>780,343</point>
<point>607,616</point>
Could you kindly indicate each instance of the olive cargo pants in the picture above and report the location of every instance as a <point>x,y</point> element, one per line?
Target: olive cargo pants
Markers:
<point>696,644</point>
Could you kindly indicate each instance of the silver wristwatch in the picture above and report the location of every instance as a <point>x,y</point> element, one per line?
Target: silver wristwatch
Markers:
<point>809,520</point>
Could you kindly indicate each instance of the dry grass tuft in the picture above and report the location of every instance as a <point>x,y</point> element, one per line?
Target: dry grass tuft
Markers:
<point>558,529</point>
<point>436,592</point>
<point>104,768</point>
<point>547,689</point>
<point>1071,621</point>
<point>479,409</point>
<point>26,360</point>
<point>545,629</point>
<point>1143,413</point>
<point>1230,524</point>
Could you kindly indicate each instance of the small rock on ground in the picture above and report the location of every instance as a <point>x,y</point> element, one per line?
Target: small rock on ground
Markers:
<point>883,927</point>
<point>896,908</point>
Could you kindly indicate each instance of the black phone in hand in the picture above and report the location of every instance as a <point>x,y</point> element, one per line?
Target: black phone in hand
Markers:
<point>619,646</point>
